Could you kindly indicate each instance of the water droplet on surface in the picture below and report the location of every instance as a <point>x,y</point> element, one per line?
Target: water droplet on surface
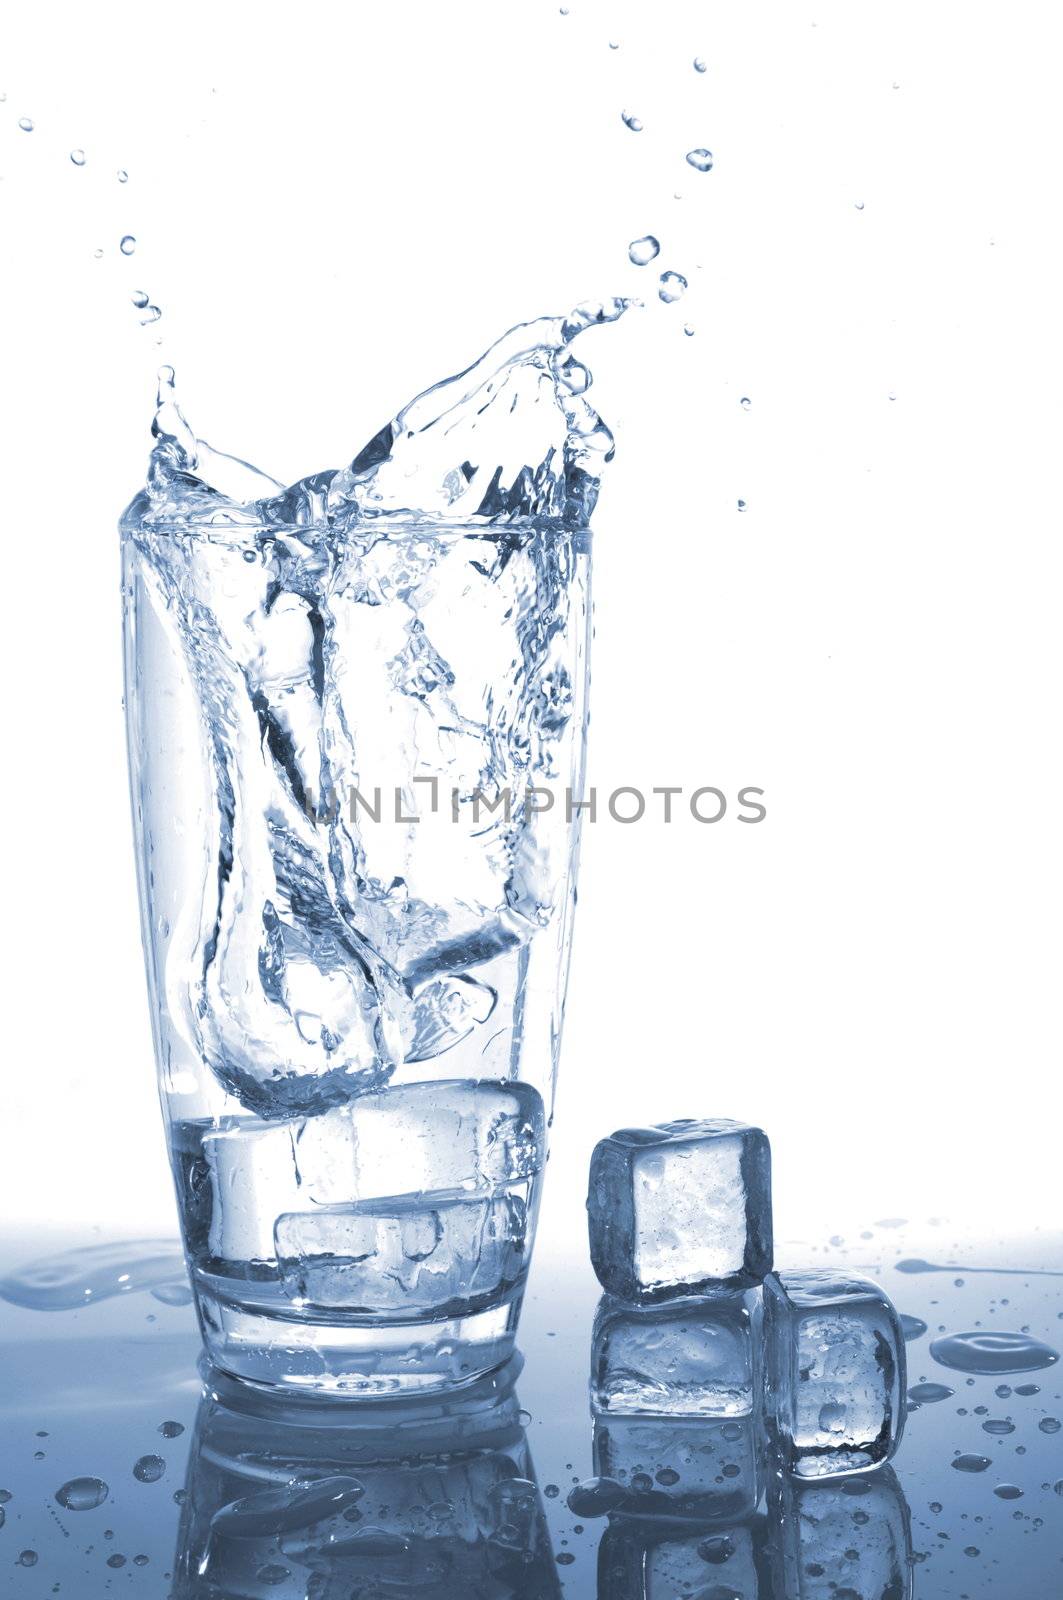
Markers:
<point>998,1426</point>
<point>1058,1488</point>
<point>699,64</point>
<point>1008,1491</point>
<point>127,244</point>
<point>82,1494</point>
<point>141,1561</point>
<point>629,120</point>
<point>27,1558</point>
<point>993,1352</point>
<point>717,1550</point>
<point>173,1294</point>
<point>116,1560</point>
<point>26,124</point>
<point>171,1430</point>
<point>78,157</point>
<point>149,1469</point>
<point>595,1497</point>
<point>565,1559</point>
<point>551,1491</point>
<point>5,1496</point>
<point>700,160</point>
<point>1027,1389</point>
<point>971,1463</point>
<point>272,1574</point>
<point>672,286</point>
<point>641,251</point>
<point>122,175</point>
<point>1050,1424</point>
<point>928,1393</point>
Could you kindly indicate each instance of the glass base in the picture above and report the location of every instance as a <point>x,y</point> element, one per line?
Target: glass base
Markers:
<point>344,1361</point>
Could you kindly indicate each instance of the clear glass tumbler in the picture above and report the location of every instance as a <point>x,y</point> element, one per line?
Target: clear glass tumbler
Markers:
<point>356,764</point>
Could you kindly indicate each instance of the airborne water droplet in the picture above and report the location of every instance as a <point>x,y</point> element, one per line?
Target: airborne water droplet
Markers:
<point>700,160</point>
<point>642,251</point>
<point>859,205</point>
<point>153,315</point>
<point>672,286</point>
<point>741,505</point>
<point>745,403</point>
<point>688,330</point>
<point>140,298</point>
<point>26,124</point>
<point>78,157</point>
<point>631,121</point>
<point>699,64</point>
<point>127,244</point>
<point>122,175</point>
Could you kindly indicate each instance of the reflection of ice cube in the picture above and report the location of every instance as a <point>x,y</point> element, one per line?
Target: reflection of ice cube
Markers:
<point>238,1178</point>
<point>694,1358</point>
<point>701,1468</point>
<point>638,1561</point>
<point>843,1538</point>
<point>680,1208</point>
<point>415,1255</point>
<point>836,1371</point>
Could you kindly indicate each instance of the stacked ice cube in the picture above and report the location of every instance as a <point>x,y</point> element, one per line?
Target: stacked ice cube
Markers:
<point>698,1336</point>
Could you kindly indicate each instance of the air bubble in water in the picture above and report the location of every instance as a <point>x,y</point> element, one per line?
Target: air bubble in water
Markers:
<point>78,157</point>
<point>700,160</point>
<point>140,298</point>
<point>699,64</point>
<point>122,175</point>
<point>26,124</point>
<point>672,286</point>
<point>149,1469</point>
<point>642,251</point>
<point>631,121</point>
<point>127,244</point>
<point>82,1494</point>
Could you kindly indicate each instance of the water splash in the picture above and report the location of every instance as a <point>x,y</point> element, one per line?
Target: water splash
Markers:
<point>642,251</point>
<point>81,1277</point>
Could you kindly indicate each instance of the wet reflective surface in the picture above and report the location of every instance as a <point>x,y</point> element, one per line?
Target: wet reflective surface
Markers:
<point>124,1471</point>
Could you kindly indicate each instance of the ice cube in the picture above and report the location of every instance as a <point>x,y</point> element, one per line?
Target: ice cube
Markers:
<point>421,1255</point>
<point>835,1363</point>
<point>701,1468</point>
<point>680,1208</point>
<point>640,1561</point>
<point>691,1358</point>
<point>238,1177</point>
<point>847,1537</point>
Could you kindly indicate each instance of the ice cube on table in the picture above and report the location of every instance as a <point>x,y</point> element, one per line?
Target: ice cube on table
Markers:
<point>707,1469</point>
<point>835,1370</point>
<point>694,1357</point>
<point>447,1253</point>
<point>640,1561</point>
<point>851,1536</point>
<point>680,1208</point>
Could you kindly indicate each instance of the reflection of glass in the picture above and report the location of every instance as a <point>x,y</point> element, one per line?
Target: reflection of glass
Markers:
<point>433,1499</point>
<point>651,1561</point>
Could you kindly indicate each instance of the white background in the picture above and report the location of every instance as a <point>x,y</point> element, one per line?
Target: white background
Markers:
<point>336,205</point>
